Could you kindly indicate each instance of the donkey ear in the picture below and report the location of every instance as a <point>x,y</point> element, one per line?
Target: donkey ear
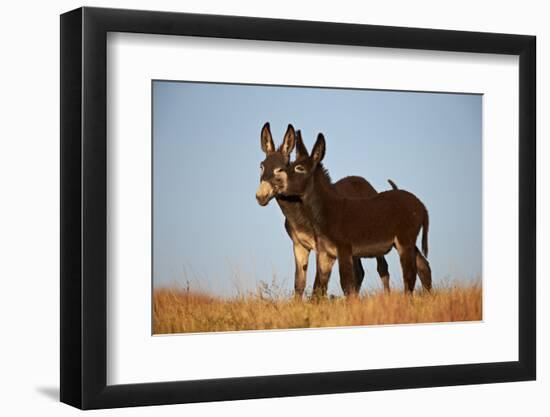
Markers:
<point>267,140</point>
<point>289,141</point>
<point>318,151</point>
<point>301,150</point>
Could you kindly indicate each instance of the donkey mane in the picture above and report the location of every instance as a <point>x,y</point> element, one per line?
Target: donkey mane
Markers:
<point>316,208</point>
<point>323,178</point>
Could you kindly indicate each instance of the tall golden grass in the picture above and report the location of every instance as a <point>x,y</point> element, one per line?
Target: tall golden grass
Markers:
<point>187,311</point>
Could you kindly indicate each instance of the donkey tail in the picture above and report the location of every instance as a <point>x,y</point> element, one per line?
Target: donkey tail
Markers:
<point>393,185</point>
<point>425,227</point>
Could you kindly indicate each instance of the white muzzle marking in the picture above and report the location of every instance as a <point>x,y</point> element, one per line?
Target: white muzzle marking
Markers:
<point>265,190</point>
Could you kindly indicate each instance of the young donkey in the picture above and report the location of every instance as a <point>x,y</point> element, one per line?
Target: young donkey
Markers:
<point>357,227</point>
<point>297,225</point>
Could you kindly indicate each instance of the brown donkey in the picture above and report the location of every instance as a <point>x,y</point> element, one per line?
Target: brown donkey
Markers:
<point>297,224</point>
<point>357,227</point>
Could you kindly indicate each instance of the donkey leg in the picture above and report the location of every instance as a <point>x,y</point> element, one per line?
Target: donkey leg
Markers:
<point>382,268</point>
<point>424,271</point>
<point>358,273</point>
<point>345,264</point>
<point>301,257</point>
<point>408,265</point>
<point>325,262</point>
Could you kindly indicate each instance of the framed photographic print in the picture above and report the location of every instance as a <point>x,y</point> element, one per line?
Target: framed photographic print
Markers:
<point>257,207</point>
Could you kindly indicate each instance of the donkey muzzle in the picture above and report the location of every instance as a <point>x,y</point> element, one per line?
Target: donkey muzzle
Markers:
<point>265,193</point>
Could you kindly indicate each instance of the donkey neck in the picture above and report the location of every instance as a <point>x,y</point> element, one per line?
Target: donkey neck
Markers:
<point>294,212</point>
<point>320,195</point>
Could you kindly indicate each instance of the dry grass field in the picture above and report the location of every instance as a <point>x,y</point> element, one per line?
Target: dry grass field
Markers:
<point>187,311</point>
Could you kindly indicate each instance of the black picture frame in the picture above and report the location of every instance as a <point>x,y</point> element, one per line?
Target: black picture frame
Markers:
<point>84,207</point>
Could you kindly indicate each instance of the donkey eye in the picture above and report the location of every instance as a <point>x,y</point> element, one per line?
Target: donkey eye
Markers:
<point>300,169</point>
<point>261,168</point>
<point>277,170</point>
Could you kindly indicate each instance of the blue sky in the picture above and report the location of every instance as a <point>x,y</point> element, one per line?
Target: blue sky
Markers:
<point>209,231</point>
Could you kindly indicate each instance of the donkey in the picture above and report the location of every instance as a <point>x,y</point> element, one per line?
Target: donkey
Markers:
<point>297,224</point>
<point>357,227</point>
